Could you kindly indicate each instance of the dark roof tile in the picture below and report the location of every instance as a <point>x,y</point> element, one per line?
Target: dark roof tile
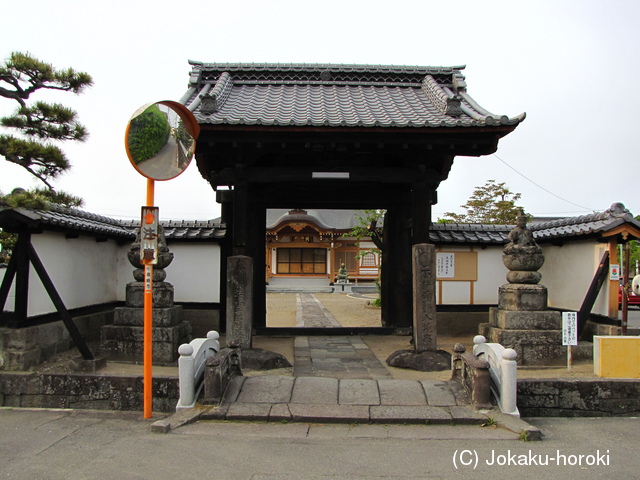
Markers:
<point>334,95</point>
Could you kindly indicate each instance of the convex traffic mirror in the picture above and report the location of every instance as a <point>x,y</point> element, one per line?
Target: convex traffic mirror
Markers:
<point>161,139</point>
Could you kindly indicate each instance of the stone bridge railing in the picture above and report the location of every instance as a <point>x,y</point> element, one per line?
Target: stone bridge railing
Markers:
<point>191,366</point>
<point>490,369</point>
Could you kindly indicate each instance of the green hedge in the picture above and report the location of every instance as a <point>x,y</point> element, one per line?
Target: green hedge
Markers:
<point>148,133</point>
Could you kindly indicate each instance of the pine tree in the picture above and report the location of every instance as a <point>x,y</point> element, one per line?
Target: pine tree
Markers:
<point>21,76</point>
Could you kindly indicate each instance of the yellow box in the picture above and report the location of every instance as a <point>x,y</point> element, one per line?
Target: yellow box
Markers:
<point>616,357</point>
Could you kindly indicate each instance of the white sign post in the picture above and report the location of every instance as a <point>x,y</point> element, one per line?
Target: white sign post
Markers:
<point>569,334</point>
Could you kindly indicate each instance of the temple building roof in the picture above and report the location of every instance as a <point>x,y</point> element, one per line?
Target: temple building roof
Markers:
<point>331,95</point>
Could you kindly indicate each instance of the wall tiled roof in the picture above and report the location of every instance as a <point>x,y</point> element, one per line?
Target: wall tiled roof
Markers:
<point>76,221</point>
<point>334,96</point>
<point>594,223</point>
<point>469,233</point>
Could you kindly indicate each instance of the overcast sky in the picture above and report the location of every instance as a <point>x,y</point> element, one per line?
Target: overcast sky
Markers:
<point>570,65</point>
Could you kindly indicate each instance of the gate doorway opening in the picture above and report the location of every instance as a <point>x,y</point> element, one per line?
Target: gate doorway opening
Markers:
<point>318,274</point>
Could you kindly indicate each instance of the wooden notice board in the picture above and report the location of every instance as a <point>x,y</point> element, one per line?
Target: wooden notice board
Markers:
<point>457,266</point>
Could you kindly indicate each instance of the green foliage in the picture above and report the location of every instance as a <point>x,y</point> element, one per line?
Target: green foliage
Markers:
<point>493,203</point>
<point>490,422</point>
<point>20,77</point>
<point>7,244</point>
<point>148,133</point>
<point>367,226</point>
<point>36,199</point>
<point>39,199</point>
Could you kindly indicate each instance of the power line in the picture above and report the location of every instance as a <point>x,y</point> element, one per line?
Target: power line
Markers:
<point>541,187</point>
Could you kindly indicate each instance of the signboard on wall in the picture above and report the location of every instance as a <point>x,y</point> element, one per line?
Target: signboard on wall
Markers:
<point>445,265</point>
<point>457,266</point>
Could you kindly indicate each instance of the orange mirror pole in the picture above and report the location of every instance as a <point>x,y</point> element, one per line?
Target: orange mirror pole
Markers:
<point>148,322</point>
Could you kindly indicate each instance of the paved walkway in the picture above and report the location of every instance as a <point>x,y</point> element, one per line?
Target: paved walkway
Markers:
<point>330,356</point>
<point>336,357</point>
<point>331,400</point>
<point>311,313</point>
<point>339,379</point>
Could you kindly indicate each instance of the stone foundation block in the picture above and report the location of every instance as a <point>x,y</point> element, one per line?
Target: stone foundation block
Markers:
<point>534,347</point>
<point>126,343</point>
<point>134,317</point>
<point>522,297</point>
<point>546,320</point>
<point>162,294</point>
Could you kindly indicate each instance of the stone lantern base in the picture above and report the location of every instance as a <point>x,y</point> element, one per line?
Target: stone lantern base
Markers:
<point>124,340</point>
<point>522,322</point>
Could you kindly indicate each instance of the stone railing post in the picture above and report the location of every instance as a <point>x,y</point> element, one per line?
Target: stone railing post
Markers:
<point>191,365</point>
<point>509,380</point>
<point>186,368</point>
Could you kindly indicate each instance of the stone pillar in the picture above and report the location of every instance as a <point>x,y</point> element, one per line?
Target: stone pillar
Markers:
<point>239,301</point>
<point>425,355</point>
<point>425,337</point>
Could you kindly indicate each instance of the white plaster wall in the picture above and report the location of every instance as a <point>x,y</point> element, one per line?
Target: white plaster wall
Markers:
<point>82,270</point>
<point>125,271</point>
<point>455,293</point>
<point>568,272</point>
<point>491,275</point>
<point>86,272</point>
<point>194,272</point>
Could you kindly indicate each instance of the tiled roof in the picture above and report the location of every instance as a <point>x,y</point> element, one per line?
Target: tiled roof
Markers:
<point>80,222</point>
<point>70,220</point>
<point>592,224</point>
<point>187,230</point>
<point>334,96</point>
<point>582,226</point>
<point>325,219</point>
<point>76,221</point>
<point>469,233</point>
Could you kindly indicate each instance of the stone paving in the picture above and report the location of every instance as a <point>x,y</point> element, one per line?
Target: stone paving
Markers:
<point>339,379</point>
<point>311,313</point>
<point>329,355</point>
<point>347,400</point>
<point>336,357</point>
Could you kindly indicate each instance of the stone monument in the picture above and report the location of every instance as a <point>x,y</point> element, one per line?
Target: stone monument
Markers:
<point>521,321</point>
<point>240,318</point>
<point>425,355</point>
<point>123,340</point>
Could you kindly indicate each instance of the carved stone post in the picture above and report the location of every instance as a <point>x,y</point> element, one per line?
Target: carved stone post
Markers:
<point>425,337</point>
<point>239,301</point>
<point>425,355</point>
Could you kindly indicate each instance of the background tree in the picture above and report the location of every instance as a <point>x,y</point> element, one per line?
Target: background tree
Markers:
<point>367,227</point>
<point>21,76</point>
<point>493,203</point>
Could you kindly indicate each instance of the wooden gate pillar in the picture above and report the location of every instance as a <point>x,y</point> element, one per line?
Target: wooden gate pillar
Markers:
<point>397,298</point>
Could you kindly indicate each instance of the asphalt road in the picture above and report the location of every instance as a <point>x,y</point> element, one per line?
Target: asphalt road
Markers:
<point>56,444</point>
